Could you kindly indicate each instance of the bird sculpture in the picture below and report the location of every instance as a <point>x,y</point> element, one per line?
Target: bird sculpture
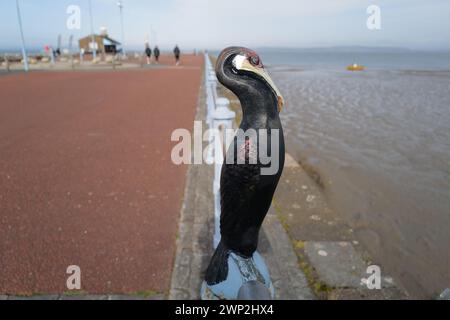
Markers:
<point>246,190</point>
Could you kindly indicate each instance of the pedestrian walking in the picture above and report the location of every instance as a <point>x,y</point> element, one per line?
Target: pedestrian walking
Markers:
<point>156,53</point>
<point>148,53</point>
<point>177,52</point>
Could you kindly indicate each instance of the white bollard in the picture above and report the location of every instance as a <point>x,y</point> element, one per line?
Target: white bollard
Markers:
<point>213,84</point>
<point>52,56</point>
<point>7,63</point>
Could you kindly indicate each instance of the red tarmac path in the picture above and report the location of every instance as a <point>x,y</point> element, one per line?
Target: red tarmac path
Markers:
<point>86,177</point>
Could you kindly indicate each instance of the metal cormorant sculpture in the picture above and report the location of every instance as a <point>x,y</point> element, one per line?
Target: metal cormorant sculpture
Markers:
<point>246,189</point>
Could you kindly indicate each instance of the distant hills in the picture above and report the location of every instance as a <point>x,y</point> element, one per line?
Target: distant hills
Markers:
<point>352,49</point>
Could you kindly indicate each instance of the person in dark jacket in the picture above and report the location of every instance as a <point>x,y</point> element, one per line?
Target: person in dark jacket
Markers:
<point>148,53</point>
<point>156,53</point>
<point>177,52</point>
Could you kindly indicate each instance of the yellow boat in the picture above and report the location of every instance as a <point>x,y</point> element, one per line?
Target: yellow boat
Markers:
<point>355,67</point>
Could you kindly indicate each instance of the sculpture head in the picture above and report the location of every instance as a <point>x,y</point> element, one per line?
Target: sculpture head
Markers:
<point>239,68</point>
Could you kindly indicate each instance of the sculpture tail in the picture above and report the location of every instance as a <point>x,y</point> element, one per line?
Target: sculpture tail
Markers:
<point>218,267</point>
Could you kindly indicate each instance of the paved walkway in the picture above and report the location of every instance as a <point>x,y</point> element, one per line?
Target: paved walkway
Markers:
<point>86,178</point>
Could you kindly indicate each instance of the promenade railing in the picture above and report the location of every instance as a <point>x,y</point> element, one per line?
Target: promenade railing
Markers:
<point>219,118</point>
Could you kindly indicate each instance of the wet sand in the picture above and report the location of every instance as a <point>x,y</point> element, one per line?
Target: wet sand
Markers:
<point>86,177</point>
<point>379,143</point>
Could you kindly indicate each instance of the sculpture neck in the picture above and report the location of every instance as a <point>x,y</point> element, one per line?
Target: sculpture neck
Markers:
<point>259,106</point>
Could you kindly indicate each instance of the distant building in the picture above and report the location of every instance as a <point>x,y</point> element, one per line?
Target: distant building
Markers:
<point>103,43</point>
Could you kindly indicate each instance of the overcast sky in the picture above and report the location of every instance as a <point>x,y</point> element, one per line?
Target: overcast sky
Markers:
<point>420,24</point>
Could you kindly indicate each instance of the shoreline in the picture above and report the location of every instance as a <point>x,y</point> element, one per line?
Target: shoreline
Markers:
<point>377,143</point>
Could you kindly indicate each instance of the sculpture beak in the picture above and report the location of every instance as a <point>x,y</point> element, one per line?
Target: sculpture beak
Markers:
<point>263,74</point>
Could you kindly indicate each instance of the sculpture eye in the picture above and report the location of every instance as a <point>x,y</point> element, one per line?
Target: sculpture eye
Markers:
<point>254,60</point>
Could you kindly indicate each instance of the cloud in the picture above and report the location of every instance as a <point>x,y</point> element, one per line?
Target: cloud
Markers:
<point>214,24</point>
<point>253,21</point>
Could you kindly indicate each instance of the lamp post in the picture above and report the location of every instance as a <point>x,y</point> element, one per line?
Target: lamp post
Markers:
<point>120,5</point>
<point>94,45</point>
<point>24,52</point>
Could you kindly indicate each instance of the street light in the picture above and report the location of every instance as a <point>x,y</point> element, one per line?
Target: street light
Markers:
<point>153,35</point>
<point>24,52</point>
<point>94,45</point>
<point>120,5</point>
